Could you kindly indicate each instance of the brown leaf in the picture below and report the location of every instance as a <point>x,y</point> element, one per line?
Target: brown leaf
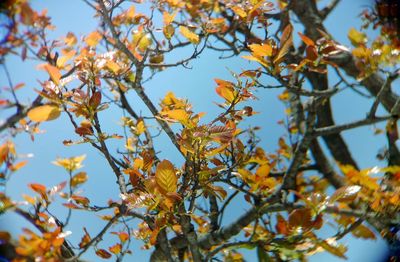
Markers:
<point>103,253</point>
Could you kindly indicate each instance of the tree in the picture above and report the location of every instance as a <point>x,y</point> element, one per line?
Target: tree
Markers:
<point>179,210</point>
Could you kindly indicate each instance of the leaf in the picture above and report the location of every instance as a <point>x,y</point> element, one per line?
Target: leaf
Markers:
<point>301,218</point>
<point>357,38</point>
<point>166,178</point>
<point>93,39</point>
<point>261,50</point>
<point>103,253</point>
<point>286,42</point>
<point>225,90</point>
<point>18,165</point>
<point>281,225</point>
<point>54,73</point>
<point>363,232</point>
<point>346,193</point>
<point>95,100</point>
<point>78,179</point>
<point>168,18</point>
<point>332,247</point>
<point>239,11</point>
<point>70,39</point>
<point>38,188</point>
<point>81,200</point>
<point>308,41</point>
<point>85,239</point>
<point>123,236</point>
<point>115,249</point>
<point>189,35</point>
<point>169,31</point>
<point>44,113</point>
<point>222,133</point>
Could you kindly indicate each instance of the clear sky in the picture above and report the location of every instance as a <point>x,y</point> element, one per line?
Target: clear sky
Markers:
<point>198,86</point>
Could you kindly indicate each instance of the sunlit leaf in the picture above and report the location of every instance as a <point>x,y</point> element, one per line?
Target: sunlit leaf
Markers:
<point>346,193</point>
<point>189,35</point>
<point>261,50</point>
<point>44,113</point>
<point>115,249</point>
<point>93,39</point>
<point>166,178</point>
<point>356,37</point>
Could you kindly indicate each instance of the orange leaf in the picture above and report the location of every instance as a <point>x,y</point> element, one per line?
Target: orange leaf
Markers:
<point>166,178</point>
<point>53,72</point>
<point>115,249</point>
<point>93,39</point>
<point>44,113</point>
<point>85,239</point>
<point>261,50</point>
<point>189,35</point>
<point>81,200</point>
<point>18,165</point>
<point>281,225</point>
<point>38,188</point>
<point>308,41</point>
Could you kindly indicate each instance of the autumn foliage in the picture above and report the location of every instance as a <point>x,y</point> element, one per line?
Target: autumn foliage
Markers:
<point>178,210</point>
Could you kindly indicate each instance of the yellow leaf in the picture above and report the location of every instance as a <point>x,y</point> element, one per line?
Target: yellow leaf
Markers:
<point>166,178</point>
<point>356,37</point>
<point>169,31</point>
<point>179,115</point>
<point>79,178</point>
<point>114,67</point>
<point>130,13</point>
<point>189,35</point>
<point>62,60</point>
<point>44,113</point>
<point>93,39</point>
<point>70,39</point>
<point>116,249</point>
<point>141,41</point>
<point>239,11</point>
<point>71,163</point>
<point>261,50</point>
<point>168,18</point>
<point>140,127</point>
<point>225,90</point>
<point>53,72</point>
<point>363,232</point>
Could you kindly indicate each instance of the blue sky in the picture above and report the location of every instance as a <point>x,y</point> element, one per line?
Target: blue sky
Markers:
<point>198,86</point>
